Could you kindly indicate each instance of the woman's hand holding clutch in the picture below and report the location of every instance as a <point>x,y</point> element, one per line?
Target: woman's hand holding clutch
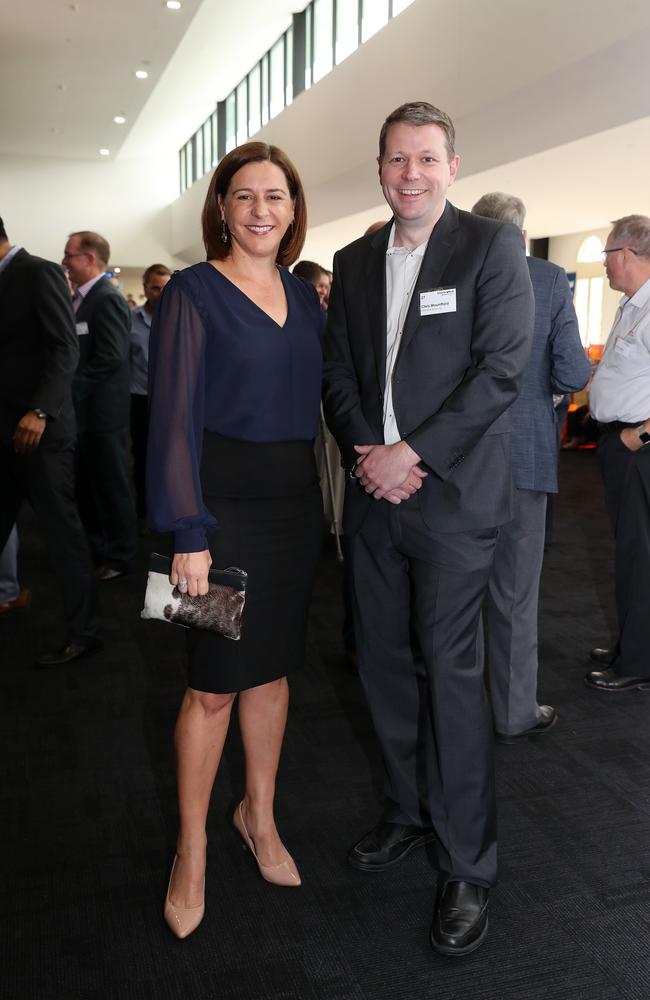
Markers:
<point>190,572</point>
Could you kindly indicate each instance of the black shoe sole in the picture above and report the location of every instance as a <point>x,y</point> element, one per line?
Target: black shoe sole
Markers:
<point>364,866</point>
<point>641,686</point>
<point>444,949</point>
<point>522,737</point>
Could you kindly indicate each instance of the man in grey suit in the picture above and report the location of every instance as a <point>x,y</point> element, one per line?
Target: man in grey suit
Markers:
<point>557,364</point>
<point>429,329</point>
<point>102,402</point>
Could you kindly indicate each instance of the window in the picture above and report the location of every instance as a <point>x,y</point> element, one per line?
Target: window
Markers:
<point>375,16</point>
<point>277,78</point>
<point>207,146</point>
<point>589,309</point>
<point>347,28</point>
<point>254,100</point>
<point>309,54</point>
<point>591,251</point>
<point>288,66</point>
<point>322,39</point>
<point>399,6</point>
<point>265,88</point>
<point>242,112</point>
<point>231,123</point>
<point>198,154</point>
<point>215,139</point>
<point>182,169</point>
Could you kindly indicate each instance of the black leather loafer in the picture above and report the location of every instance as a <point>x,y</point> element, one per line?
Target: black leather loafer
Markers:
<point>71,651</point>
<point>604,654</point>
<point>609,680</point>
<point>386,844</point>
<point>460,921</point>
<point>547,719</point>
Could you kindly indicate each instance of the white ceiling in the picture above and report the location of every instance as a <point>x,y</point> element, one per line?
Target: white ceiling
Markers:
<point>551,100</point>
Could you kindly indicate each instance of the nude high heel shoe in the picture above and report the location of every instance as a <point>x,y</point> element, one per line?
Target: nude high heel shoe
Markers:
<point>182,920</point>
<point>285,873</point>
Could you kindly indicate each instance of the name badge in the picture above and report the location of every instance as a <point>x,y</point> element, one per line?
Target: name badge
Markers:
<point>438,300</point>
<point>82,329</point>
<point>623,347</point>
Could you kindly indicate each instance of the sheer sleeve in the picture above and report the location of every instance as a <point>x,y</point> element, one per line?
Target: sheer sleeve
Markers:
<point>176,420</point>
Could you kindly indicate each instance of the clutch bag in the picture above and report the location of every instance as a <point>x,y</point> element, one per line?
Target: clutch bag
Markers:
<point>220,610</point>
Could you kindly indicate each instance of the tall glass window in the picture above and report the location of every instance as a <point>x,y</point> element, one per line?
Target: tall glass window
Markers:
<point>254,101</point>
<point>198,154</point>
<point>207,146</point>
<point>309,54</point>
<point>215,134</point>
<point>375,16</point>
<point>399,6</point>
<point>242,112</point>
<point>323,48</point>
<point>277,78</point>
<point>231,123</point>
<point>189,164</point>
<point>288,66</point>
<point>182,166</point>
<point>347,28</point>
<point>264,64</point>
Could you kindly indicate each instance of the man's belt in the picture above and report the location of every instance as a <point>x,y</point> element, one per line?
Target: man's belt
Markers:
<point>618,425</point>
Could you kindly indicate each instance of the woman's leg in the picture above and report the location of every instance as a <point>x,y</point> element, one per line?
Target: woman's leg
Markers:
<point>200,734</point>
<point>262,720</point>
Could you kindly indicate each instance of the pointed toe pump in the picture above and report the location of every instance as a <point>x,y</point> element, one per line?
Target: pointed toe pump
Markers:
<point>181,920</point>
<point>285,873</point>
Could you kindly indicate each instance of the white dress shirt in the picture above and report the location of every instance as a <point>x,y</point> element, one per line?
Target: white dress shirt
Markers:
<point>620,389</point>
<point>82,291</point>
<point>402,270</point>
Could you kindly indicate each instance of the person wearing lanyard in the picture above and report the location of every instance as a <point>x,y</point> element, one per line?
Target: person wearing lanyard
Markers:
<point>619,399</point>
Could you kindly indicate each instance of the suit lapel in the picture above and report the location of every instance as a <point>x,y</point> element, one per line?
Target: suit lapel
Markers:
<point>375,273</point>
<point>6,271</point>
<point>436,257</point>
<point>87,300</point>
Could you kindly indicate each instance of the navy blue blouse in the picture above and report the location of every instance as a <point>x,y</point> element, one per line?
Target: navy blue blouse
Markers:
<point>218,362</point>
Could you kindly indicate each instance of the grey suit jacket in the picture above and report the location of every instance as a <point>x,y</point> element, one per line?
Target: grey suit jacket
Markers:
<point>456,373</point>
<point>557,364</point>
<point>101,386</point>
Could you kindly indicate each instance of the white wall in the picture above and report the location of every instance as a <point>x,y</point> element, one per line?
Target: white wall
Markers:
<point>126,200</point>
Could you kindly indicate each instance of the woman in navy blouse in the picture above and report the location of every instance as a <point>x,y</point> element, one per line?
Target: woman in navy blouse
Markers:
<point>235,372</point>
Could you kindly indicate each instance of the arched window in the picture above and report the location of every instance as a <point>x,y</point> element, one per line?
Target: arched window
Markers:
<point>590,287</point>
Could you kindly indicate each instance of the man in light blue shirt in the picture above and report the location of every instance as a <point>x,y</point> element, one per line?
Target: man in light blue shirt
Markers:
<point>154,280</point>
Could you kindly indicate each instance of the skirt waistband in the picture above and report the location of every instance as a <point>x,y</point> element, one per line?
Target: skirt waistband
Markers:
<point>235,469</point>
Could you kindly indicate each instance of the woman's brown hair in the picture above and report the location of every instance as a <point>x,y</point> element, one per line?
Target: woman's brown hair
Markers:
<point>253,152</point>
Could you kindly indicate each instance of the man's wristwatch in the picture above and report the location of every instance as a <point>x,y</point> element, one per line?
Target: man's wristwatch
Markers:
<point>644,437</point>
<point>42,415</point>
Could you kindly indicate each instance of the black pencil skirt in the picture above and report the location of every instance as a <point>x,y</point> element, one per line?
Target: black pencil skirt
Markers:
<point>268,502</point>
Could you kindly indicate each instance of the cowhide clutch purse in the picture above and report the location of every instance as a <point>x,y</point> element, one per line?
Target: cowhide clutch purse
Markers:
<point>220,610</point>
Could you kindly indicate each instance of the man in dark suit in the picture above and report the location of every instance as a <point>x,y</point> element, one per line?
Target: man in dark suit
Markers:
<point>38,358</point>
<point>557,364</point>
<point>102,401</point>
<point>429,330</point>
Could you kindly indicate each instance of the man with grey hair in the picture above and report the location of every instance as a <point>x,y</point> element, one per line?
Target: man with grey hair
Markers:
<point>619,399</point>
<point>429,329</point>
<point>557,364</point>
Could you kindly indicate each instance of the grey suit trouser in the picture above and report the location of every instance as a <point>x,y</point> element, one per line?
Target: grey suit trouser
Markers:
<point>434,725</point>
<point>511,615</point>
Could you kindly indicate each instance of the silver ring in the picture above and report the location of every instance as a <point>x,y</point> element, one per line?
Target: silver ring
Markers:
<point>182,583</point>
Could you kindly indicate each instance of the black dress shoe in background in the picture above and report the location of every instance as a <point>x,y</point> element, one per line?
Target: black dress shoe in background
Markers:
<point>71,651</point>
<point>386,844</point>
<point>609,680</point>
<point>547,719</point>
<point>460,921</point>
<point>603,654</point>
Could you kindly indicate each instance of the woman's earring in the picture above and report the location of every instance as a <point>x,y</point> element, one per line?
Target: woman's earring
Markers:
<point>224,231</point>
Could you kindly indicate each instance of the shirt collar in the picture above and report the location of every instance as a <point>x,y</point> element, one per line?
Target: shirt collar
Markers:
<point>87,285</point>
<point>641,297</point>
<point>391,249</point>
<point>141,311</point>
<point>9,256</point>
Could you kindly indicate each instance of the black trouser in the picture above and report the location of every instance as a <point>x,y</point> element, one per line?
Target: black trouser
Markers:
<point>435,729</point>
<point>105,501</point>
<point>626,475</point>
<point>46,479</point>
<point>139,430</point>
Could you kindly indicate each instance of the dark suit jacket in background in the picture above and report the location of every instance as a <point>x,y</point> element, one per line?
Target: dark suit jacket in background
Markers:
<point>557,364</point>
<point>39,351</point>
<point>456,373</point>
<point>101,385</point>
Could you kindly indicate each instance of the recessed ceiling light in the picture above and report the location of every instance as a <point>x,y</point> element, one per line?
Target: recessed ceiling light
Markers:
<point>119,119</point>
<point>141,74</point>
<point>104,152</point>
<point>173,4</point>
<point>117,270</point>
